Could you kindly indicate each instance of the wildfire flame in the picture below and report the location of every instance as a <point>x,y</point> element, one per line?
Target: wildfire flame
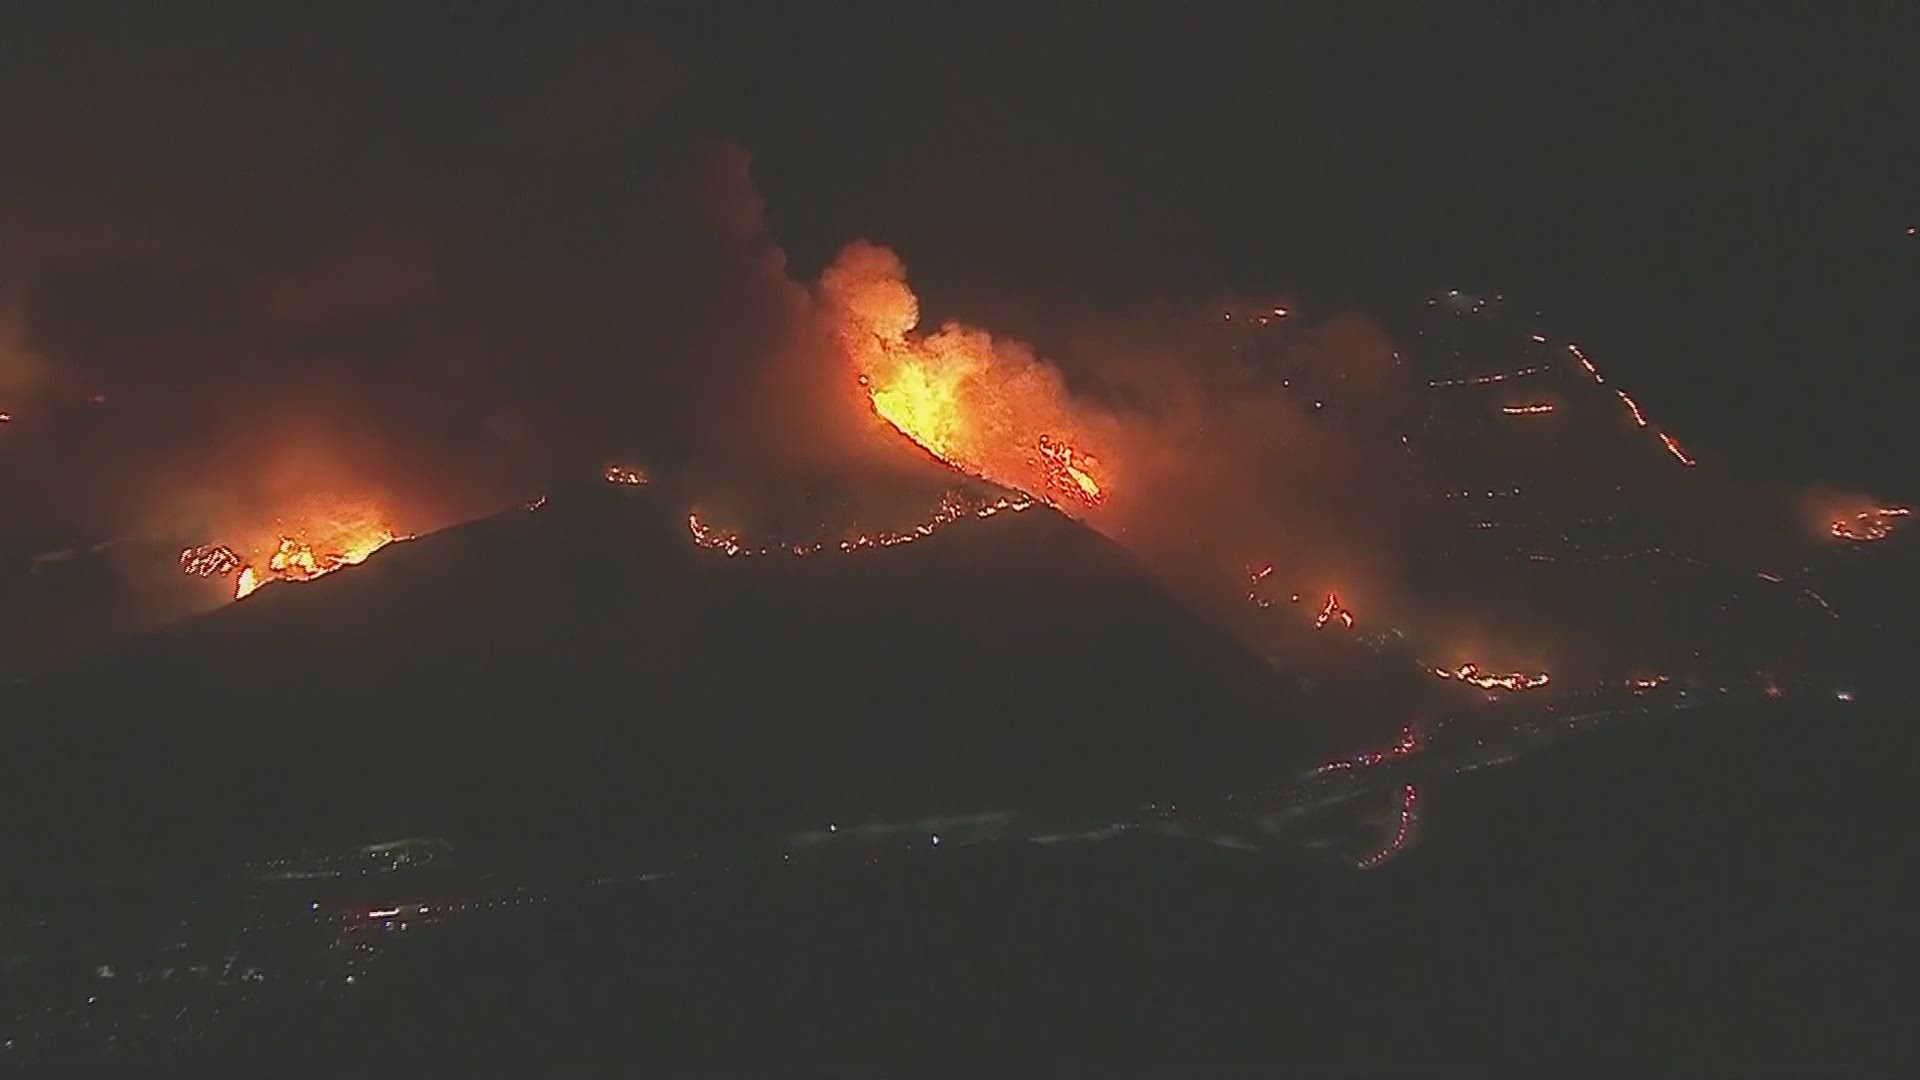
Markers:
<point>296,559</point>
<point>989,409</point>
<point>1408,745</point>
<point>1511,681</point>
<point>1256,575</point>
<point>1585,363</point>
<point>1331,611</point>
<point>1409,795</point>
<point>1528,410</point>
<point>1673,447</point>
<point>1868,525</point>
<point>209,560</point>
<point>622,474</point>
<point>1632,408</point>
<point>952,508</point>
<point>1057,466</point>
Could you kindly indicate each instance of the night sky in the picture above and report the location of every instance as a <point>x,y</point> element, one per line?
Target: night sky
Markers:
<point>1718,207</point>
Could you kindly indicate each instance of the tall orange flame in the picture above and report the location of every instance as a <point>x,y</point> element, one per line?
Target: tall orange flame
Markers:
<point>988,408</point>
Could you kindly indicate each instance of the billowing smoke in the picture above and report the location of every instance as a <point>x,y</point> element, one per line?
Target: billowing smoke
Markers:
<point>1191,458</point>
<point>313,282</point>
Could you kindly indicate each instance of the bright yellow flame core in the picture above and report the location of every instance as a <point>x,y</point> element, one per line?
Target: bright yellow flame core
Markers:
<point>989,408</point>
<point>297,558</point>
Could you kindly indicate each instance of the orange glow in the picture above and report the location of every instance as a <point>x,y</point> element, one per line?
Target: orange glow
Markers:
<point>209,560</point>
<point>1528,410</point>
<point>1511,681</point>
<point>1062,474</point>
<point>324,535</point>
<point>1868,525</point>
<point>952,508</point>
<point>296,559</point>
<point>1632,408</point>
<point>988,408</point>
<point>621,474</point>
<point>1673,447</point>
<point>1331,611</point>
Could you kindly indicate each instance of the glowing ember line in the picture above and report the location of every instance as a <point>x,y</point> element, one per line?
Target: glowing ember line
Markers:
<point>1409,795</point>
<point>1821,600</point>
<point>951,509</point>
<point>1527,410</point>
<point>1632,408</point>
<point>1512,681</point>
<point>1673,448</point>
<point>1408,745</point>
<point>1585,363</point>
<point>1487,379</point>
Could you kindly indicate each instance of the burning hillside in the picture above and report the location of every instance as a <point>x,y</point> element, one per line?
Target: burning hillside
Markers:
<point>333,534</point>
<point>989,408</point>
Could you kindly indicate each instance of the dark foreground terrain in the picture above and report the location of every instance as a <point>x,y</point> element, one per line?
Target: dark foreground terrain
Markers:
<point>1707,893</point>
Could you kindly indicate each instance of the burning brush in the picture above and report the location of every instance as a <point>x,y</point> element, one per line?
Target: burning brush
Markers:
<point>1868,525</point>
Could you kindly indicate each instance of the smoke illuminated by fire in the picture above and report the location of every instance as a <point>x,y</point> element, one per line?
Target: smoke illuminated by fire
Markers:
<point>1062,474</point>
<point>987,407</point>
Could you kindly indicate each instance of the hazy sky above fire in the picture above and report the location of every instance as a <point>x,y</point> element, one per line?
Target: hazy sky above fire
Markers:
<point>446,263</point>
